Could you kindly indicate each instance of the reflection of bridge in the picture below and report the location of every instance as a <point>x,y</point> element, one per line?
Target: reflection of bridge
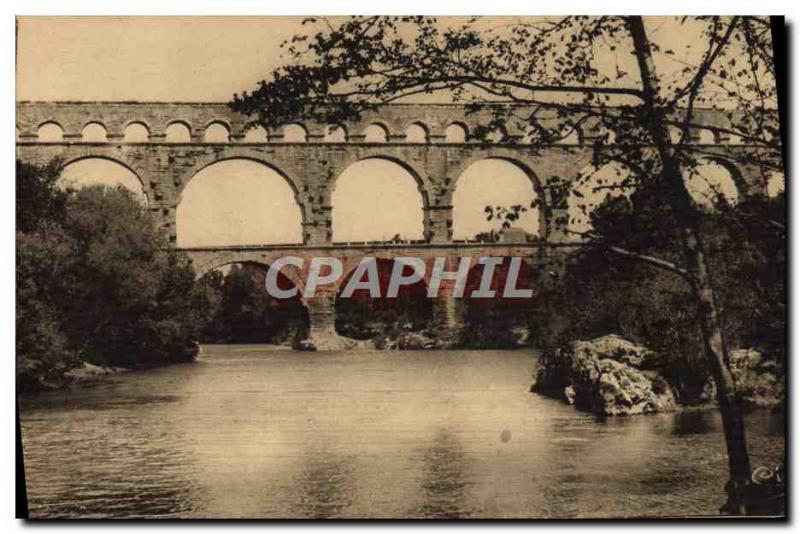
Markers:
<point>311,163</point>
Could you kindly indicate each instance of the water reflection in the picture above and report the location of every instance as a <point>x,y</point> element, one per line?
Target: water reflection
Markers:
<point>692,422</point>
<point>249,432</point>
<point>445,473</point>
<point>325,484</point>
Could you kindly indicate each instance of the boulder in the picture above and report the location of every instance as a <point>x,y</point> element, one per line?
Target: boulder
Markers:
<point>605,376</point>
<point>415,341</point>
<point>758,381</point>
<point>614,347</point>
<point>333,342</point>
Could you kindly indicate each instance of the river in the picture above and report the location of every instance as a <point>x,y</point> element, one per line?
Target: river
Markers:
<point>260,432</point>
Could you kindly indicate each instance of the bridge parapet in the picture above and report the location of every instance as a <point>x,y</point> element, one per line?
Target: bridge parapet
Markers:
<point>395,119</point>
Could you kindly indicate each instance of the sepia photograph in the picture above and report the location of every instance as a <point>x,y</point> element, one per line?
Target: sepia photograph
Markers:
<point>401,267</point>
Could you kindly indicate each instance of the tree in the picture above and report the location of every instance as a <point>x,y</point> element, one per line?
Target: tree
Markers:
<point>552,76</point>
<point>130,300</point>
<point>96,281</point>
<point>39,199</point>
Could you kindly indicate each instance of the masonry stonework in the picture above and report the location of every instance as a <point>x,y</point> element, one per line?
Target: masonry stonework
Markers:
<point>311,169</point>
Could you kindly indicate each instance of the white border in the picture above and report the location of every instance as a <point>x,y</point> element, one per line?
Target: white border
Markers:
<point>303,7</point>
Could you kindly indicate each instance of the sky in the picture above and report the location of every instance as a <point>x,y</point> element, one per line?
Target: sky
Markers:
<point>145,58</point>
<point>205,58</point>
<point>210,59</point>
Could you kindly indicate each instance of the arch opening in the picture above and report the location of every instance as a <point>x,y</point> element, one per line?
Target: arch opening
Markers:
<point>416,133</point>
<point>497,135</point>
<point>377,200</point>
<point>136,132</point>
<point>361,316</point>
<point>776,184</point>
<point>94,132</point>
<point>376,133</point>
<point>709,183</point>
<point>674,134</point>
<point>178,132</point>
<point>294,133</point>
<point>495,183</point>
<point>335,133</point>
<point>705,136</point>
<point>256,134</point>
<point>216,132</point>
<point>238,202</point>
<point>455,133</point>
<point>500,322</point>
<point>591,188</point>
<point>243,311</point>
<point>50,132</point>
<point>92,171</point>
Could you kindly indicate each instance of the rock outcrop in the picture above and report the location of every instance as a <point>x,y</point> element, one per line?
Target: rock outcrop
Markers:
<point>415,341</point>
<point>758,381</point>
<point>606,376</point>
<point>328,343</point>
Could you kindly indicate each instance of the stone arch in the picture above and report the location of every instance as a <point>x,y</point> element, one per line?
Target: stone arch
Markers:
<point>216,262</point>
<point>507,155</point>
<point>142,191</point>
<point>247,178</point>
<point>94,132</point>
<point>775,183</point>
<point>50,132</point>
<point>411,307</point>
<point>136,132</point>
<point>281,315</point>
<point>295,133</point>
<point>376,132</point>
<point>335,133</point>
<point>217,131</point>
<point>536,187</point>
<point>396,185</point>
<point>423,182</point>
<point>456,132</point>
<point>705,136</point>
<point>178,131</point>
<point>256,134</point>
<point>729,182</point>
<point>214,159</point>
<point>417,132</point>
<point>499,322</point>
<point>591,187</point>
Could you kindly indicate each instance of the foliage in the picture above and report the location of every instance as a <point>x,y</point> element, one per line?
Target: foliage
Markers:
<point>96,281</point>
<point>243,311</point>
<point>38,197</point>
<point>43,354</point>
